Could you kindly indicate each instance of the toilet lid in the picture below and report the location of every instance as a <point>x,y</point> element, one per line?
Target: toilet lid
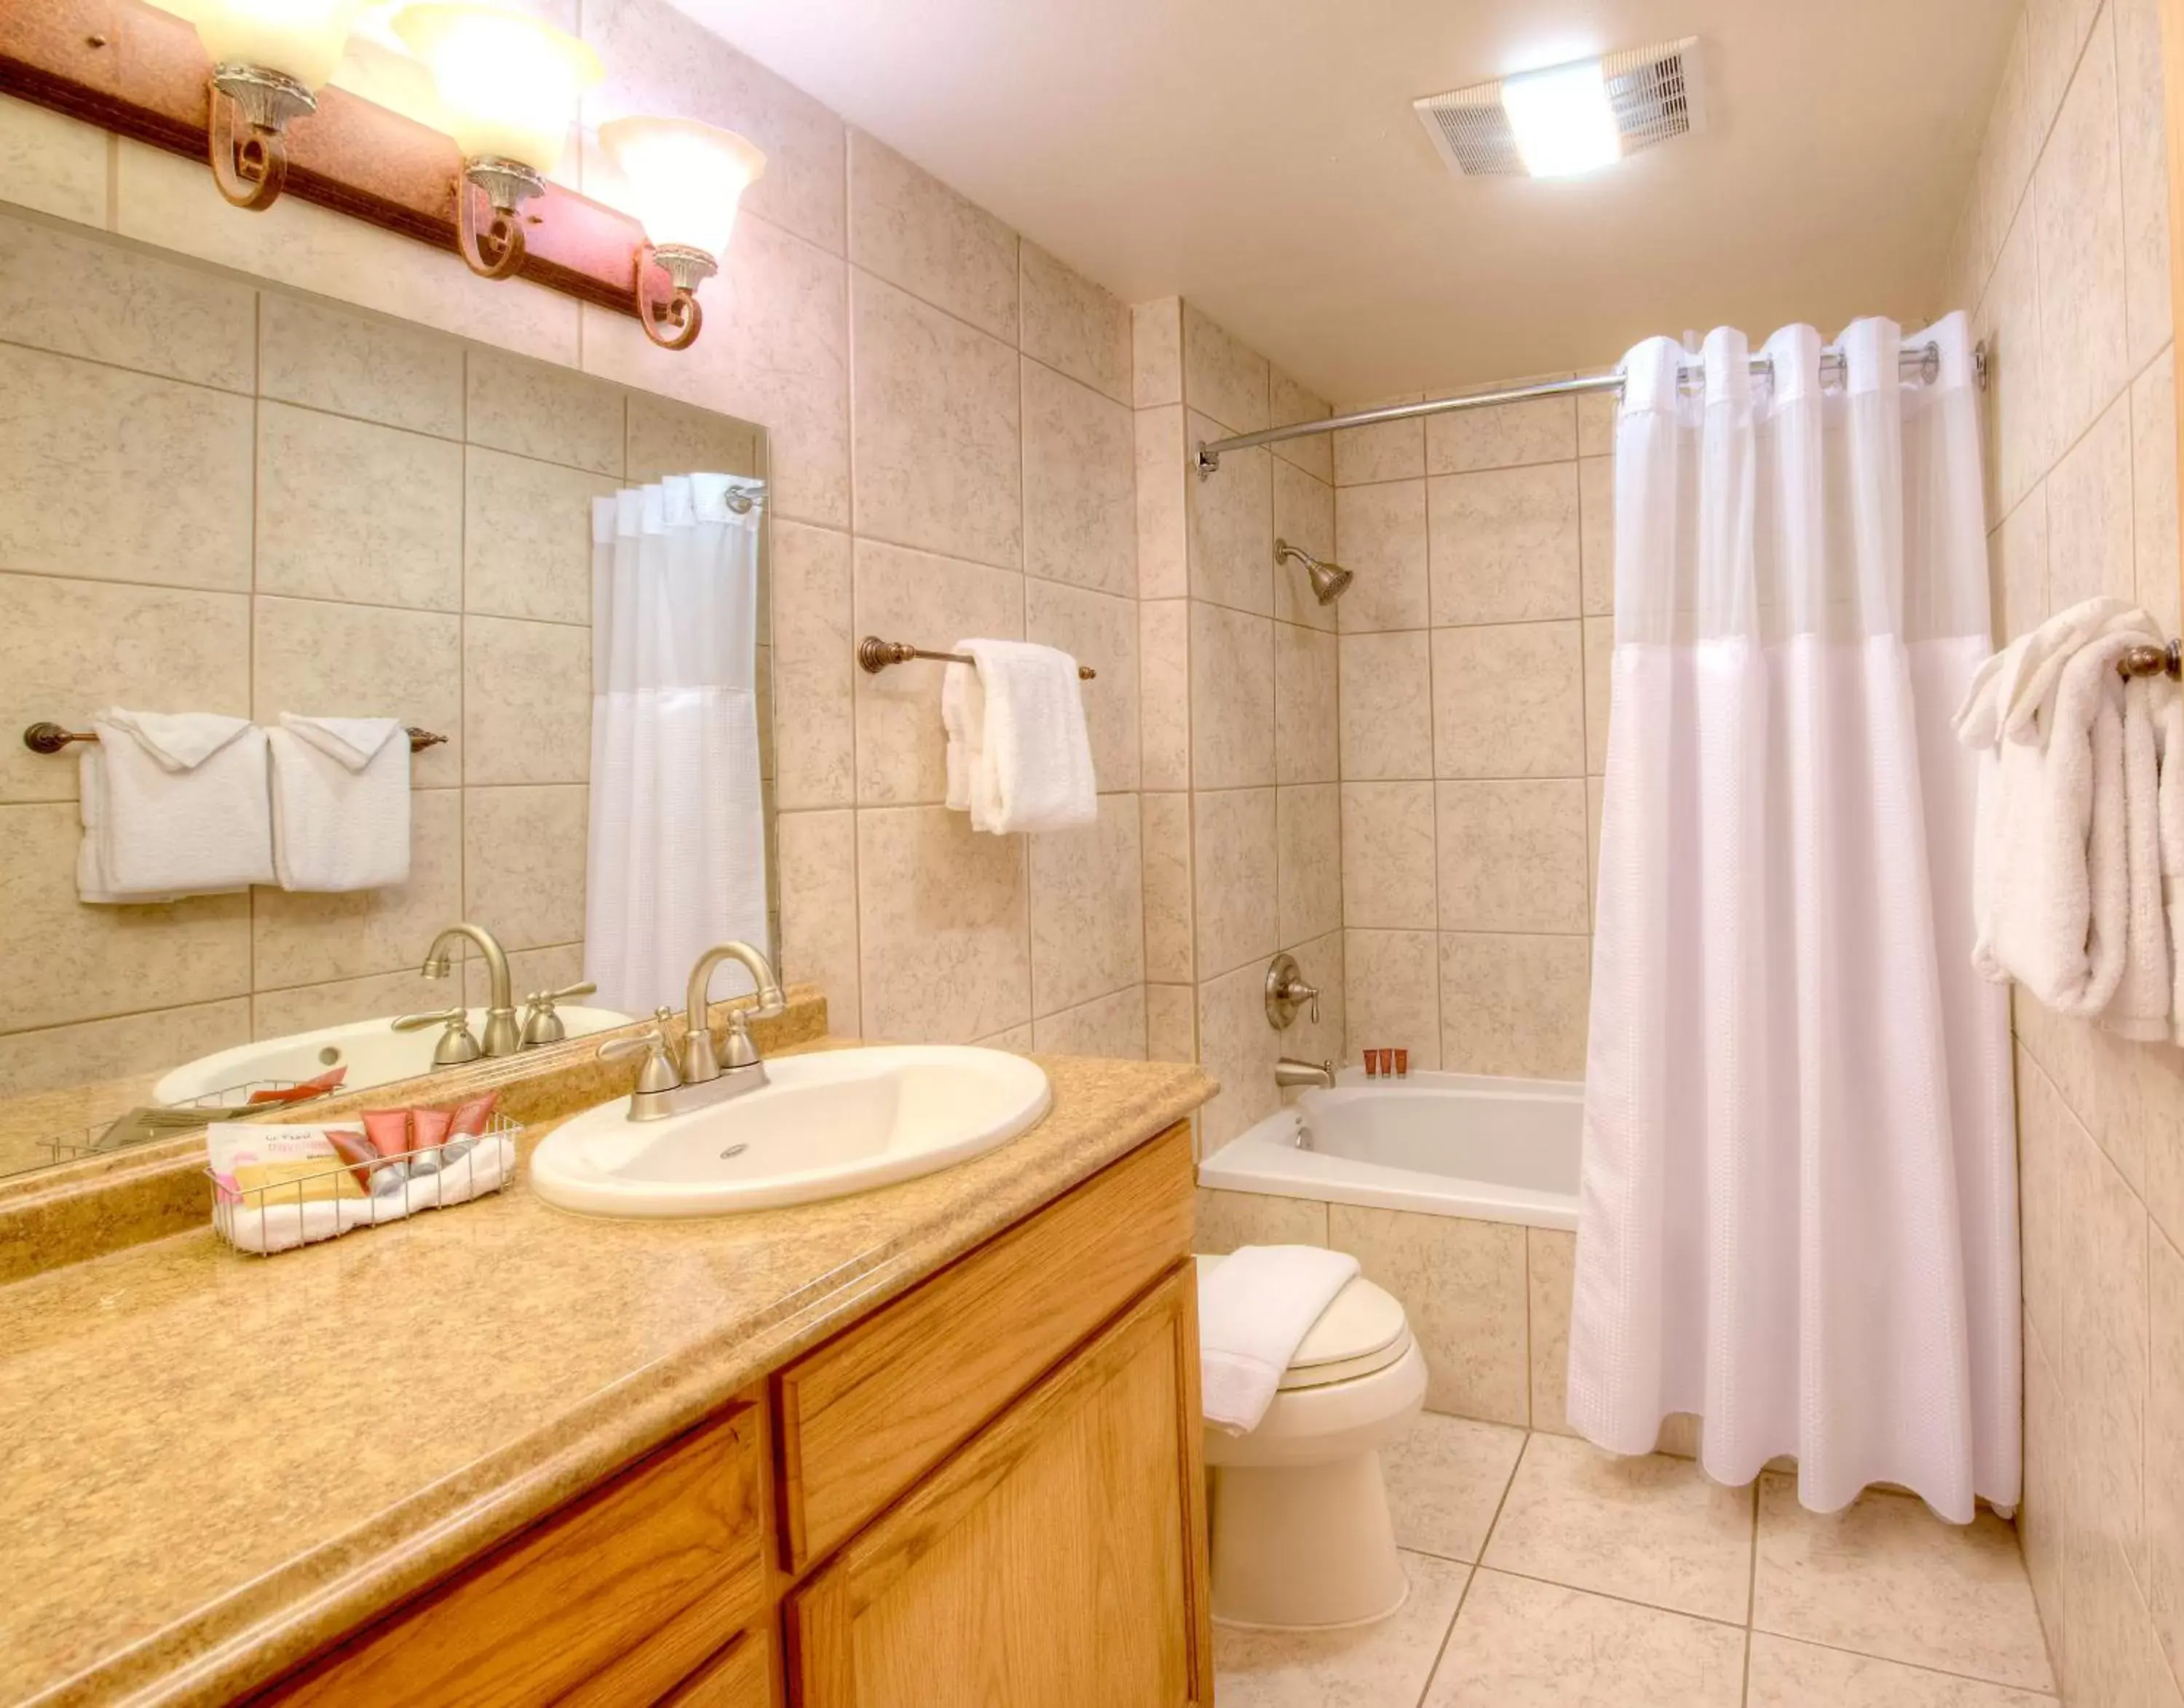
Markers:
<point>1362,1330</point>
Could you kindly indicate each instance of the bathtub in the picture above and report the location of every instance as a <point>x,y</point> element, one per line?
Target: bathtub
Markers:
<point>1440,1144</point>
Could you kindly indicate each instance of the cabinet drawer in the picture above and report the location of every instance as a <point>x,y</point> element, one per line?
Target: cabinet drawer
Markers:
<point>635,1580</point>
<point>865,1416</point>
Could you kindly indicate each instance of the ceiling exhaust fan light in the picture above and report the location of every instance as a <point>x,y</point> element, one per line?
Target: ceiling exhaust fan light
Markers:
<point>1561,119</point>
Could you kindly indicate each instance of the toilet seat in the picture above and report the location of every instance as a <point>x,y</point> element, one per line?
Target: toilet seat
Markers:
<point>1362,1332</point>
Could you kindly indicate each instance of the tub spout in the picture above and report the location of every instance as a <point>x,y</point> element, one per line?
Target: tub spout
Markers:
<point>1288,1071</point>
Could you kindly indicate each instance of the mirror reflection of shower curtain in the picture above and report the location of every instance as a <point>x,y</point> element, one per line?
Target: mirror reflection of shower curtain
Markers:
<point>677,846</point>
<point>1799,1207</point>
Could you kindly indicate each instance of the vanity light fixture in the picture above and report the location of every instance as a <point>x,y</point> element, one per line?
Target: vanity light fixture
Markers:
<point>270,59</point>
<point>682,181</point>
<point>509,87</point>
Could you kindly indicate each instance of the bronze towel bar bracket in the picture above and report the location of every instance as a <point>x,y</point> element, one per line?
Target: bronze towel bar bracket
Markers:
<point>2154,660</point>
<point>875,655</point>
<point>51,738</point>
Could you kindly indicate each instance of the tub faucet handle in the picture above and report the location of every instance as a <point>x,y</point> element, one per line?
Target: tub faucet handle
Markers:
<point>1287,991</point>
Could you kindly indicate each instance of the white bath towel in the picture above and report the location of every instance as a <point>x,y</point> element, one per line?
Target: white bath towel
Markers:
<point>176,805</point>
<point>2169,755</point>
<point>963,717</point>
<point>2145,994</point>
<point>1034,771</point>
<point>2009,689</point>
<point>1254,1308</point>
<point>341,802</point>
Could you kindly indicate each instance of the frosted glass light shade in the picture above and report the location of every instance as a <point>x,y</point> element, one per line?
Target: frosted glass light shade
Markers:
<point>682,180</point>
<point>1562,120</point>
<point>508,83</point>
<point>301,39</point>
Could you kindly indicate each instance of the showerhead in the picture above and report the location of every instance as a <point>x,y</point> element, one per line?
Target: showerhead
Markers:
<point>1328,580</point>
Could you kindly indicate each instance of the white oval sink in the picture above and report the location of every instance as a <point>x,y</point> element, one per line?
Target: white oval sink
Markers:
<point>372,1050</point>
<point>824,1125</point>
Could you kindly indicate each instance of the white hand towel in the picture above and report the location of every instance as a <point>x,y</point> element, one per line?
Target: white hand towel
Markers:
<point>963,716</point>
<point>181,806</point>
<point>2144,994</point>
<point>1254,1308</point>
<point>341,802</point>
<point>2008,690</point>
<point>2169,737</point>
<point>1035,772</point>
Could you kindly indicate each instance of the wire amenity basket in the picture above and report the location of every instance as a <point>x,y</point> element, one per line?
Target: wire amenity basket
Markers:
<point>315,1207</point>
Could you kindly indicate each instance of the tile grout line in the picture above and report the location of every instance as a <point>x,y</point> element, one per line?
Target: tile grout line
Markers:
<point>1751,1589</point>
<point>1471,1577</point>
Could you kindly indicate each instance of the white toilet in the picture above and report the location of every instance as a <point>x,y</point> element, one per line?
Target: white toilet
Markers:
<point>1300,1532</point>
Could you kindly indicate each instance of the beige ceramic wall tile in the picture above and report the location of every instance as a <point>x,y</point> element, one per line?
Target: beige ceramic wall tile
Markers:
<point>1071,324</point>
<point>1514,1005</point>
<point>300,938</point>
<point>2102,1350</point>
<point>1595,424</point>
<point>523,862</point>
<point>2153,491</point>
<point>1381,536</point>
<point>1308,866</point>
<point>69,647</point>
<point>1387,706</point>
<point>2018,567</point>
<point>1234,860</point>
<point>2164,1574</point>
<point>1017,1039</point>
<point>1164,694</point>
<point>1392,992</point>
<point>1228,1220</point>
<point>2008,322</point>
<point>1542,430</point>
<point>1307,722</point>
<point>943,927</point>
<point>118,477</point>
<point>1394,450</point>
<point>2143,157</point>
<point>1171,1027</point>
<point>2055,35</point>
<point>361,661</point>
<point>1503,544</point>
<point>819,910</point>
<point>1595,507</point>
<point>2089,514</point>
<point>2041,1513</point>
<point>1804,1675</point>
<point>809,577</point>
<point>527,701</point>
<point>1508,701</point>
<point>1156,353</point>
<point>935,424</point>
<point>911,230</point>
<point>932,601</point>
<point>1101,632</point>
<point>1289,402</point>
<point>1087,924</point>
<point>1511,855</point>
<point>83,296</point>
<point>1239,1048</point>
<point>1304,518</point>
<point>1231,698</point>
<point>343,1002</point>
<point>659,61</point>
<point>1232,525</point>
<point>1111,1027</point>
<point>1885,1577</point>
<point>1317,1040</point>
<point>1388,871</point>
<point>1522,1644</point>
<point>62,1058</point>
<point>326,527</point>
<point>69,961</point>
<point>539,410</point>
<point>53,163</point>
<point>1079,483</point>
<point>669,437</point>
<point>1387,1663</point>
<point>1170,936</point>
<point>1599,686</point>
<point>325,358</point>
<point>552,968</point>
<point>526,536</point>
<point>1462,1284</point>
<point>2046,1131</point>
<point>1551,1257</point>
<point>1595,803</point>
<point>1163,524</point>
<point>2079,196</point>
<point>1221,378</point>
<point>1446,1479</point>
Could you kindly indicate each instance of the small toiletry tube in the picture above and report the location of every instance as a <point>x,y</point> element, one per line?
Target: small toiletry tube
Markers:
<point>1371,1065</point>
<point>1402,1064</point>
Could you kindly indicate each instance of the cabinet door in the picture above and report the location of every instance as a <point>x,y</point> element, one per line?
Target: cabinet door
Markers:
<point>1058,1558</point>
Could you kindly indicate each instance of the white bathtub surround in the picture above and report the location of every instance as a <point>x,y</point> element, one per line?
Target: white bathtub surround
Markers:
<point>1798,1211</point>
<point>678,844</point>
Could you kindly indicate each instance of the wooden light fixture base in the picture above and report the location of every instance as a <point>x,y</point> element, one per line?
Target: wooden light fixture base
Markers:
<point>142,73</point>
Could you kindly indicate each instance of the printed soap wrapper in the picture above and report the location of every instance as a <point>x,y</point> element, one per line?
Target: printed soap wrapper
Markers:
<point>301,1163</point>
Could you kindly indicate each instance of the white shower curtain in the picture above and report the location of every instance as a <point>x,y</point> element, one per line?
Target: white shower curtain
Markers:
<point>1799,1212</point>
<point>677,850</point>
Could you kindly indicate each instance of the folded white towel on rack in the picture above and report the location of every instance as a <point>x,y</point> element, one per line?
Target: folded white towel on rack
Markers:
<point>341,802</point>
<point>1035,767</point>
<point>1255,1308</point>
<point>2169,755</point>
<point>2008,689</point>
<point>173,805</point>
<point>963,716</point>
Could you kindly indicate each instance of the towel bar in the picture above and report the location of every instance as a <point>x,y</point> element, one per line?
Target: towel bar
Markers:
<point>51,738</point>
<point>875,655</point>
<point>2153,660</point>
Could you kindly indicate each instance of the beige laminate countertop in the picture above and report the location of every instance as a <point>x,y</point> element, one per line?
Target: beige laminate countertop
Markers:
<point>212,1464</point>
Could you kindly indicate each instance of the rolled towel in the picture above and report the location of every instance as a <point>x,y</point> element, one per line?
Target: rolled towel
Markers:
<point>341,802</point>
<point>175,804</point>
<point>1035,772</point>
<point>1254,1308</point>
<point>2009,689</point>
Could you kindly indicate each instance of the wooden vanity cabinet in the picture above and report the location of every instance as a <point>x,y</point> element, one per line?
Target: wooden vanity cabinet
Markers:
<point>987,1492</point>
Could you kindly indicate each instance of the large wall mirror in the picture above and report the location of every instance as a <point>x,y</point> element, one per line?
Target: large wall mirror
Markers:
<point>221,497</point>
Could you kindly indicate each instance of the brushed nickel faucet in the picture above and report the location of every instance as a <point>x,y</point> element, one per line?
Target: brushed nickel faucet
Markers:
<point>502,1036</point>
<point>1288,1071</point>
<point>704,1077</point>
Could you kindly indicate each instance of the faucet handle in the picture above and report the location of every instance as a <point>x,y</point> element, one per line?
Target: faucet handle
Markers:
<point>540,1024</point>
<point>659,1072</point>
<point>442,1016</point>
<point>457,1045</point>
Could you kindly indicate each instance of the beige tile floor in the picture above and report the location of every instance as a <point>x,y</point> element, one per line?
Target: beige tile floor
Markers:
<point>1546,1575</point>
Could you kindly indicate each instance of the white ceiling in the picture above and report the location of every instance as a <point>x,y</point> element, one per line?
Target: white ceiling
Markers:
<point>1261,157</point>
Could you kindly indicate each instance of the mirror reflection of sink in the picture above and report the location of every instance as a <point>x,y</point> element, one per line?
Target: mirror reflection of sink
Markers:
<point>373,1053</point>
<point>824,1125</point>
